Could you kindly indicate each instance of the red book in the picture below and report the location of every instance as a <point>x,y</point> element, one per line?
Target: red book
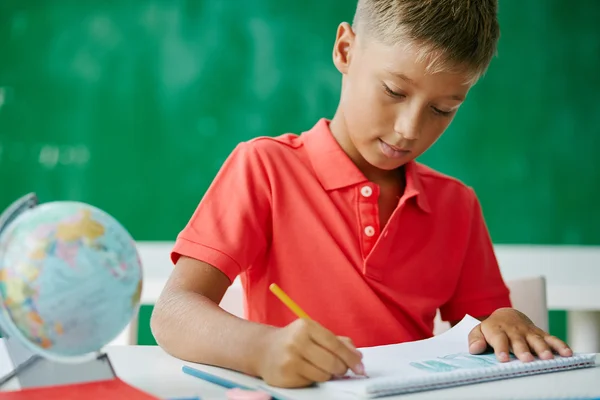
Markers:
<point>100,390</point>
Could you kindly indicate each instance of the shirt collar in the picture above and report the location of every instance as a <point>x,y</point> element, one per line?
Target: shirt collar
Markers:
<point>335,170</point>
<point>414,187</point>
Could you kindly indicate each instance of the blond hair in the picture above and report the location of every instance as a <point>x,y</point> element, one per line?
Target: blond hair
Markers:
<point>447,34</point>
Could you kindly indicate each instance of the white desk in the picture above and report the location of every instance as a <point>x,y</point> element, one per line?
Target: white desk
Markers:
<point>150,369</point>
<point>572,276</point>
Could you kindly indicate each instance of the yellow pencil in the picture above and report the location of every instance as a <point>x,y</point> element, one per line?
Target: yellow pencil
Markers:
<point>285,299</point>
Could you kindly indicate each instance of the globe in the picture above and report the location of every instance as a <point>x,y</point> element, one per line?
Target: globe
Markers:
<point>70,280</point>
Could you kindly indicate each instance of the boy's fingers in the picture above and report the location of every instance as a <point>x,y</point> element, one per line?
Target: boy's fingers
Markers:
<point>312,373</point>
<point>477,342</point>
<point>350,344</point>
<point>323,359</point>
<point>520,348</point>
<point>558,345</point>
<point>329,341</point>
<point>346,340</point>
<point>499,341</point>
<point>539,346</point>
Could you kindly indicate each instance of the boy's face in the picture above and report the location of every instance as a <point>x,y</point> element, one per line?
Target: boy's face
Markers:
<point>393,110</point>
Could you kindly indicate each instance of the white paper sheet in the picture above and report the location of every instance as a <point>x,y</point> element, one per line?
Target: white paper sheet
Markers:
<point>441,361</point>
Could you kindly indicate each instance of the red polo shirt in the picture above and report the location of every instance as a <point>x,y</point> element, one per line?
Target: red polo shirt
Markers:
<point>296,211</point>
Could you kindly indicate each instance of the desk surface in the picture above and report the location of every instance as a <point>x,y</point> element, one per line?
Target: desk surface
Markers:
<point>151,369</point>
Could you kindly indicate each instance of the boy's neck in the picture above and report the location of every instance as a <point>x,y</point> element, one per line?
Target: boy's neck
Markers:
<point>339,130</point>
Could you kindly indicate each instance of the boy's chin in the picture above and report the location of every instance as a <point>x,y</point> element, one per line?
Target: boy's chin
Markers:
<point>384,163</point>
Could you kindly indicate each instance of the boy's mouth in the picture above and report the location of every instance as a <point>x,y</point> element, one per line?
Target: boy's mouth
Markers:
<point>392,151</point>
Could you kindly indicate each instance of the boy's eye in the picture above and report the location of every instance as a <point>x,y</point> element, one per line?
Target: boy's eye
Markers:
<point>397,95</point>
<point>441,112</point>
<point>390,92</point>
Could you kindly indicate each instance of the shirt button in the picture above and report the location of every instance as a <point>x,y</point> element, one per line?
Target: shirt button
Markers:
<point>366,191</point>
<point>369,231</point>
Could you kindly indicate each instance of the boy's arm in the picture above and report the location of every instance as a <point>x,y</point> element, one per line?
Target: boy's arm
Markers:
<point>188,323</point>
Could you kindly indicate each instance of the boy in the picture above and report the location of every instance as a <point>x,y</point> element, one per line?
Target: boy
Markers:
<point>370,243</point>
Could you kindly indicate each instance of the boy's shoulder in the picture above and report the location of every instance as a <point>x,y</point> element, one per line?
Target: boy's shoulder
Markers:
<point>271,157</point>
<point>282,142</point>
<point>428,173</point>
<point>437,183</point>
<point>270,149</point>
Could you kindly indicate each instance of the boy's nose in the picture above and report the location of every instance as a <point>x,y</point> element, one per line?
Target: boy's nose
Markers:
<point>409,134</point>
<point>408,128</point>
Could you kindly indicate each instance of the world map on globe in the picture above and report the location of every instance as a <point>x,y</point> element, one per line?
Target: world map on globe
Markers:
<point>70,279</point>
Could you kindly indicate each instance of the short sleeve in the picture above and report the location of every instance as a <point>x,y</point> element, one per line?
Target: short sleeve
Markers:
<point>229,228</point>
<point>480,289</point>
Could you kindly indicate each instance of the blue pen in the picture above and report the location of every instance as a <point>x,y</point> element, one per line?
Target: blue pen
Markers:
<point>217,380</point>
<point>186,398</point>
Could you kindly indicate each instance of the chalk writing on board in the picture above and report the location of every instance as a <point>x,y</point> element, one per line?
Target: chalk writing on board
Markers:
<point>51,155</point>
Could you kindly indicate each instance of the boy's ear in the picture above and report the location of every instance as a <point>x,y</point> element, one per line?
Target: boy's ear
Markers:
<point>344,42</point>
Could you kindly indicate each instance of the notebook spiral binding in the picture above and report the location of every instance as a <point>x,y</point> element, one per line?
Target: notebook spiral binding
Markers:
<point>463,377</point>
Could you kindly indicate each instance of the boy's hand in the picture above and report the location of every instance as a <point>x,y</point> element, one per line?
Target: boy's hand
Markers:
<point>304,352</point>
<point>510,330</point>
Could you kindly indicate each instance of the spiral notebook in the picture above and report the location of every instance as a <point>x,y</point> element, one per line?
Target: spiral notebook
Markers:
<point>440,362</point>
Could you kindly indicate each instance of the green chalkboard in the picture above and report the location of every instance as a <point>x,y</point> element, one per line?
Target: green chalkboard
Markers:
<point>133,105</point>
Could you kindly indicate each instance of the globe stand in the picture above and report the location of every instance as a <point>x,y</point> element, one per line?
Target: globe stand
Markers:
<point>29,370</point>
